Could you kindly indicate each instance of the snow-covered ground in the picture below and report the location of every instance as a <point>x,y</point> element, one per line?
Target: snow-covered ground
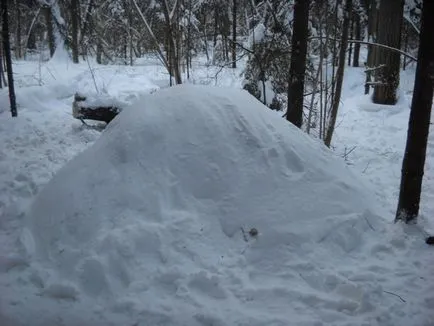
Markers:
<point>150,226</point>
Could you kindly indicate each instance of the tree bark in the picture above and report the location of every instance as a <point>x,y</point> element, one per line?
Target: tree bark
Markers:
<point>298,63</point>
<point>173,57</point>
<point>86,26</point>
<point>358,36</point>
<point>75,13</point>
<point>234,33</point>
<point>8,57</point>
<point>372,37</point>
<point>350,46</point>
<point>1,67</point>
<point>18,45</point>
<point>339,74</point>
<point>419,122</point>
<point>50,32</point>
<point>99,51</point>
<point>389,33</point>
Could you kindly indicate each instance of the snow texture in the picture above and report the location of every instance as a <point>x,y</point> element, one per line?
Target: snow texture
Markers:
<point>151,224</point>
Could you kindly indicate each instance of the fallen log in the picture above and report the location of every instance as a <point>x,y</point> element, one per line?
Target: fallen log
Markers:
<point>99,108</point>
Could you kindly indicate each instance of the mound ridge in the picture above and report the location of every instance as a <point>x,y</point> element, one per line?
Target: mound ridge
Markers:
<point>162,204</point>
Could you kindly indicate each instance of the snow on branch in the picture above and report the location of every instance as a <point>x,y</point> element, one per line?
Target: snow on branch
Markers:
<point>385,47</point>
<point>369,69</point>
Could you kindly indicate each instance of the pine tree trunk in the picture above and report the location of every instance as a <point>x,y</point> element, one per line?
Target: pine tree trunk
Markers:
<point>358,36</point>
<point>1,67</point>
<point>298,63</point>
<point>99,52</point>
<point>50,32</point>
<point>8,57</point>
<point>18,48</point>
<point>85,27</point>
<point>234,34</point>
<point>372,37</point>
<point>389,33</point>
<point>339,74</point>
<point>350,46</point>
<point>419,122</point>
<point>75,13</point>
<point>406,32</point>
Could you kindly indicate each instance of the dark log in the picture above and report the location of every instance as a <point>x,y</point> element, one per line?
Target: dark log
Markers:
<point>82,111</point>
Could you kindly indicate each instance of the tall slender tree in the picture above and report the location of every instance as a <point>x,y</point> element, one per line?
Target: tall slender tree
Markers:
<point>75,14</point>
<point>389,33</point>
<point>234,33</point>
<point>8,57</point>
<point>339,73</point>
<point>298,63</point>
<point>419,122</point>
<point>50,30</point>
<point>357,36</point>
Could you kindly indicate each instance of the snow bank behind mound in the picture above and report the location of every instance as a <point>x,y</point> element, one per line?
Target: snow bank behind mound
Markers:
<point>154,219</point>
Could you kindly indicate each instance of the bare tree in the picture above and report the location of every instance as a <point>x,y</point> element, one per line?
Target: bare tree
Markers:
<point>234,33</point>
<point>75,13</point>
<point>357,36</point>
<point>298,63</point>
<point>173,58</point>
<point>8,58</point>
<point>49,25</point>
<point>418,127</point>
<point>339,74</point>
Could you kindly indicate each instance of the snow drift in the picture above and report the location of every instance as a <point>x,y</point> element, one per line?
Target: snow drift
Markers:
<point>153,221</point>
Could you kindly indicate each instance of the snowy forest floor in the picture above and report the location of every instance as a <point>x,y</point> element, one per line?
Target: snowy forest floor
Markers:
<point>44,137</point>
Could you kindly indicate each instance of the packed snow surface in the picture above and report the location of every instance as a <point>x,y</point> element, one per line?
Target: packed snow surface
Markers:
<point>192,256</point>
<point>198,206</point>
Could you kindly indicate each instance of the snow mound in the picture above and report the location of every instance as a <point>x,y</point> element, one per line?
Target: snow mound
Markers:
<point>199,206</point>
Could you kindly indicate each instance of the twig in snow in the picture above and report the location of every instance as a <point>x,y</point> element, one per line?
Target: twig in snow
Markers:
<point>369,224</point>
<point>366,168</point>
<point>347,153</point>
<point>396,295</point>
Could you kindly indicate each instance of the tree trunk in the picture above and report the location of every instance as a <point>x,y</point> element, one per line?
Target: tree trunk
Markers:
<point>389,33</point>
<point>350,46</point>
<point>173,52</point>
<point>85,26</point>
<point>406,32</point>
<point>31,41</point>
<point>298,63</point>
<point>18,45</point>
<point>130,33</point>
<point>75,13</point>
<point>372,34</point>
<point>419,122</point>
<point>1,66</point>
<point>8,57</point>
<point>234,34</point>
<point>339,74</point>
<point>358,36</point>
<point>50,33</point>
<point>99,51</point>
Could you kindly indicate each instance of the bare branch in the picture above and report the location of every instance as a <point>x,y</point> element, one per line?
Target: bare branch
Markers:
<point>374,44</point>
<point>408,19</point>
<point>154,38</point>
